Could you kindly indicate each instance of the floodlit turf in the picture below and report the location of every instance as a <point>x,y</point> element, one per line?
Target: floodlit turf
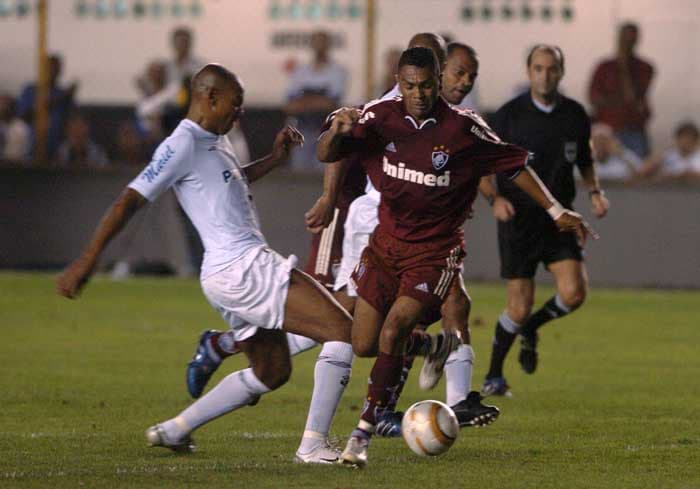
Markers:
<point>614,404</point>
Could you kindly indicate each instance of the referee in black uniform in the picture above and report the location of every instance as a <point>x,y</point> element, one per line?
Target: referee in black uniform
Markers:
<point>556,129</point>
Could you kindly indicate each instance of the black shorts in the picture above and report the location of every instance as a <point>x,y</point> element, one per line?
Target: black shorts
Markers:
<point>532,237</point>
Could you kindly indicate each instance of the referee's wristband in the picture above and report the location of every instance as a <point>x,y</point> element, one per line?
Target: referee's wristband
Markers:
<point>556,210</point>
<point>596,191</point>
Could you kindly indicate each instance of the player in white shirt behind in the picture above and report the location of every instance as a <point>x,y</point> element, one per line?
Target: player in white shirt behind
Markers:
<point>259,294</point>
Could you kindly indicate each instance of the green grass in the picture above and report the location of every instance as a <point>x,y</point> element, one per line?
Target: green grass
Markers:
<point>614,404</point>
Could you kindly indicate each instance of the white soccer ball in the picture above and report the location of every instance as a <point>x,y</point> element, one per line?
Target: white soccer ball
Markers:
<point>429,428</point>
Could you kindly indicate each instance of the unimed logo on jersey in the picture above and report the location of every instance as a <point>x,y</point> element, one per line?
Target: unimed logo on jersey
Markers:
<point>414,176</point>
<point>156,166</point>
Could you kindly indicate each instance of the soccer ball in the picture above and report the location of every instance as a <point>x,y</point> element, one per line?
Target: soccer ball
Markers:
<point>429,428</point>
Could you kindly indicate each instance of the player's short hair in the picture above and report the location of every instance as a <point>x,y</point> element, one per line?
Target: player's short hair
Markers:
<point>629,25</point>
<point>181,31</point>
<point>547,48</point>
<point>435,41</point>
<point>420,58</point>
<point>471,52</point>
<point>687,127</point>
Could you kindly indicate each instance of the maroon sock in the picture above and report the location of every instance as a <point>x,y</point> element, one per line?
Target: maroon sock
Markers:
<point>214,345</point>
<point>418,343</point>
<point>407,364</point>
<point>383,382</point>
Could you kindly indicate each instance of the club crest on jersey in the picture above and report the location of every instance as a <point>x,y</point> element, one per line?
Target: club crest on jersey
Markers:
<point>570,151</point>
<point>440,157</point>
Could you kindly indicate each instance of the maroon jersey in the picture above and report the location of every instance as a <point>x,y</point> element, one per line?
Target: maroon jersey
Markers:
<point>428,173</point>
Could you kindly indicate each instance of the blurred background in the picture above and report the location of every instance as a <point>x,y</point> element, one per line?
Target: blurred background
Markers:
<point>88,88</point>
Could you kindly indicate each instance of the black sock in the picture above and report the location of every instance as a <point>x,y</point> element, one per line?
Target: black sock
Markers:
<point>550,310</point>
<point>502,341</point>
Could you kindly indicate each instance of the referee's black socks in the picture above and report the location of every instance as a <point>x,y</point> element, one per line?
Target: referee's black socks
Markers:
<point>554,308</point>
<point>506,331</point>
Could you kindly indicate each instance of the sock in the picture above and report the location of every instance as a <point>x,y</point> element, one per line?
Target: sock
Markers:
<point>418,343</point>
<point>383,382</point>
<point>506,331</point>
<point>407,364</point>
<point>299,344</point>
<point>552,309</point>
<point>331,375</point>
<point>233,392</point>
<point>458,374</point>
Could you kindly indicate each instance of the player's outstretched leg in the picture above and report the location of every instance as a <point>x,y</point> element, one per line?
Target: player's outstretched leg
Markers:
<point>270,368</point>
<point>214,346</point>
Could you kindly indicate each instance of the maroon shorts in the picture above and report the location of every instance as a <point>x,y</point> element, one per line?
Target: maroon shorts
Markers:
<point>390,268</point>
<point>327,250</point>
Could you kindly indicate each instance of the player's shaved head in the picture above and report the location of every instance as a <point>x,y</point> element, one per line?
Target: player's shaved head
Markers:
<point>432,41</point>
<point>217,99</point>
<point>214,76</point>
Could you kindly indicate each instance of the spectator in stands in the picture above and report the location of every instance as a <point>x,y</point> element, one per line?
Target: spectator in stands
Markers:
<point>315,89</point>
<point>618,92</point>
<point>131,149</point>
<point>185,64</point>
<point>680,161</point>
<point>15,134</point>
<point>156,94</point>
<point>613,161</point>
<point>79,149</point>
<point>61,100</point>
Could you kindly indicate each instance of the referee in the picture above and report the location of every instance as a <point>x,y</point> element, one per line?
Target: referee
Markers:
<point>556,129</point>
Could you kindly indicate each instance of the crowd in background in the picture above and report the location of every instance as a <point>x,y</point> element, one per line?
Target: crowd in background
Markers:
<point>618,94</point>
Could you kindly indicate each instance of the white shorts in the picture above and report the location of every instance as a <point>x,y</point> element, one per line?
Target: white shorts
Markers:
<point>251,292</point>
<point>359,225</point>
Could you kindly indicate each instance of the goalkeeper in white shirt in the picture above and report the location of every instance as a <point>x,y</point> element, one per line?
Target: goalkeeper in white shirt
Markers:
<point>259,294</point>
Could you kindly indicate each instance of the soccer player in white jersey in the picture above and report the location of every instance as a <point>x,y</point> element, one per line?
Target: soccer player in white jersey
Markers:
<point>259,294</point>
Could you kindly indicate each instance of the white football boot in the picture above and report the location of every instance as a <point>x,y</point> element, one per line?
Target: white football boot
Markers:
<point>442,345</point>
<point>355,453</point>
<point>323,453</point>
<point>156,437</point>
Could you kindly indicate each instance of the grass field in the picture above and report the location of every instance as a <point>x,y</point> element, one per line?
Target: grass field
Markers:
<point>615,402</point>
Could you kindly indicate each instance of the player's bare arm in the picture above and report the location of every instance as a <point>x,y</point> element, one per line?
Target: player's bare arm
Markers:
<point>321,214</point>
<point>565,219</point>
<point>329,144</point>
<point>503,209</point>
<point>76,275</point>
<point>285,140</point>
<point>599,202</point>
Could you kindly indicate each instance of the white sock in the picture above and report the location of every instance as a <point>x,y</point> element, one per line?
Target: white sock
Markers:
<point>458,374</point>
<point>299,344</point>
<point>331,375</point>
<point>233,392</point>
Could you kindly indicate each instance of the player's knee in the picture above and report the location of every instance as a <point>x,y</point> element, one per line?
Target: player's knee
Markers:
<point>519,311</point>
<point>573,297</point>
<point>275,376</point>
<point>364,348</point>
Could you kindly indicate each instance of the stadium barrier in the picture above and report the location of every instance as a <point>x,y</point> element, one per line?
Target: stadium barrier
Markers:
<point>651,237</point>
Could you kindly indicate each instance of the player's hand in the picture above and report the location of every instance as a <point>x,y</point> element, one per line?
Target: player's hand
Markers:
<point>74,277</point>
<point>573,222</point>
<point>320,215</point>
<point>285,140</point>
<point>599,205</point>
<point>344,120</point>
<point>503,209</point>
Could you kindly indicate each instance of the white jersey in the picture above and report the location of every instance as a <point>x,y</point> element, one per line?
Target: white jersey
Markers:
<point>212,189</point>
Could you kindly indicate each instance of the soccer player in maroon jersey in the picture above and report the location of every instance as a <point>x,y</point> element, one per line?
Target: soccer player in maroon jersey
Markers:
<point>428,182</point>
